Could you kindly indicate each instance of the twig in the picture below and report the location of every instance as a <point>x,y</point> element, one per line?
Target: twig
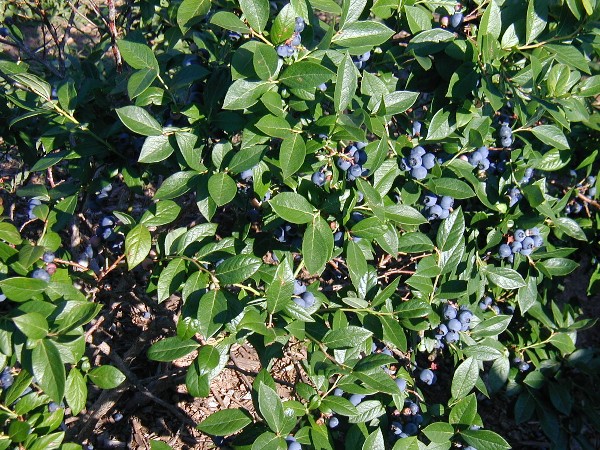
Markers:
<point>112,14</point>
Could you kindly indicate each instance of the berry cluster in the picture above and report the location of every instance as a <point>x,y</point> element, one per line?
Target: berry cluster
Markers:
<point>505,135</point>
<point>480,158</point>
<point>488,303</point>
<point>32,204</point>
<point>418,162</point>
<point>6,378</point>
<point>523,242</point>
<point>289,234</point>
<point>437,207</point>
<point>352,159</point>
<point>289,48</point>
<point>523,366</point>
<point>292,443</point>
<point>456,320</point>
<point>407,422</point>
<point>45,273</point>
<point>106,232</point>
<point>588,188</point>
<point>302,297</point>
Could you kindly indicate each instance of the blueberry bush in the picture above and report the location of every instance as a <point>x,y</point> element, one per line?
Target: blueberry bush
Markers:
<point>398,188</point>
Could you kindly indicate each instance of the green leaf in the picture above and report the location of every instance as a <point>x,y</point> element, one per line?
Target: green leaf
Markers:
<point>551,135</point>
<point>155,149</point>
<point>465,377</point>
<point>138,243</point>
<point>339,405</point>
<point>160,213</point>
<point>171,348</point>
<point>212,311</point>
<point>492,326</point>
<point>464,411</point>
<point>265,61</point>
<point>29,254</point>
<point>365,33</point>
<point>503,277</point>
<point>485,439</point>
<point>415,242</point>
<point>346,337</point>
<point>570,227</point>
<point>190,12</point>
<point>138,55</point>
<point>452,187</point>
<point>536,19</point>
<point>283,25</point>
<point>317,245</point>
<point>491,21</point>
<point>357,266</point>
<point>222,188</point>
<point>370,228</point>
<point>439,432</point>
<point>367,411</point>
<point>139,121</point>
<point>76,391</point>
<point>305,75</point>
<point>256,13</point>
<point>171,278</point>
<point>33,325</point>
<point>158,445</point>
<point>292,207</point>
<point>351,11</point>
<point>229,21</point>
<point>139,81</point>
<point>346,83</point>
<point>9,233</point>
<point>442,125</point>
<point>291,154</point>
<point>106,377</point>
<point>374,441</point>
<point>281,289</point>
<point>451,231</point>
<point>270,407</point>
<point>34,83</point>
<point>527,295</point>
<point>243,93</point>
<point>404,215</point>
<point>21,289</point>
<point>399,101</point>
<point>48,368</point>
<point>274,126</point>
<point>177,184</point>
<point>237,268</point>
<point>558,266</point>
<point>225,422</point>
<point>436,35</point>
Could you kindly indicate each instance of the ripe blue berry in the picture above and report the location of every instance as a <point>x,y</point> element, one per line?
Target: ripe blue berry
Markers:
<point>454,325</point>
<point>334,422</point>
<point>523,366</point>
<point>538,241</point>
<point>296,40</point>
<point>427,376</point>
<point>506,142</point>
<point>338,239</point>
<point>505,132</point>
<point>417,151</point>
<point>434,212</point>
<point>428,160</point>
<point>355,399</point>
<point>418,173</point>
<point>401,383</point>
<point>484,151</point>
<point>299,287</point>
<point>299,301</point>
<point>323,87</point>
<point>429,200</point>
<point>318,178</point>
<point>404,165</point>
<point>504,251</point>
<point>456,19</point>
<point>446,202</point>
<point>449,311</point>
<point>360,157</point>
<point>355,170</point>
<point>415,161</point>
<point>246,175</point>
<point>41,274</point>
<point>364,57</point>
<point>300,24</point>
<point>527,243</point>
<point>474,158</point>
<point>294,446</point>
<point>519,235</point>
<point>411,429</point>
<point>465,317</point>
<point>451,337</point>
<point>338,392</point>
<point>416,128</point>
<point>343,164</point>
<point>48,257</point>
<point>309,299</point>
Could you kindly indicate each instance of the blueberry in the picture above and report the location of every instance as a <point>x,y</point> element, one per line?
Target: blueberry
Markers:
<point>504,251</point>
<point>279,234</point>
<point>404,165</point>
<point>246,175</point>
<point>117,417</point>
<point>426,376</point>
<point>343,164</point>
<point>592,191</point>
<point>318,178</point>
<point>446,202</point>
<point>465,317</point>
<point>495,308</point>
<point>361,145</point>
<point>484,164</point>
<point>418,173</point>
<point>538,241</point>
<point>333,422</point>
<point>289,438</point>
<point>414,408</point>
<point>355,170</point>
<point>299,287</point>
<point>449,311</point>
<point>526,251</point>
<point>434,212</point>
<point>428,160</point>
<point>294,446</point>
<point>505,132</point>
<point>323,87</point>
<point>535,231</point>
<point>401,383</point>
<point>386,351</point>
<point>416,128</point>
<point>442,329</point>
<point>451,337</point>
<point>576,208</point>
<point>351,149</point>
<point>528,172</point>
<point>296,40</point>
<point>396,428</point>
<point>299,301</point>
<point>519,235</point>
<point>108,221</point>
<point>454,325</point>
<point>418,419</point>
<point>309,299</point>
<point>484,151</point>
<point>456,19</point>
<point>445,213</point>
<point>338,392</point>
<point>415,161</point>
<point>506,142</point>
<point>283,50</point>
<point>429,200</point>
<point>360,157</point>
<point>338,239</point>
<point>356,216</point>
<point>474,158</point>
<point>4,32</point>
<point>355,399</point>
<point>487,300</point>
<point>234,36</point>
<point>364,57</point>
<point>48,257</point>
<point>359,64</point>
<point>516,247</point>
<point>300,24</point>
<point>523,366</point>
<point>411,429</point>
<point>527,243</point>
<point>417,151</point>
<point>2,298</point>
<point>41,274</point>
<point>6,379</point>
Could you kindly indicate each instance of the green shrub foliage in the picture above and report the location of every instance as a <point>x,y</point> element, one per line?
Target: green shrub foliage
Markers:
<point>396,187</point>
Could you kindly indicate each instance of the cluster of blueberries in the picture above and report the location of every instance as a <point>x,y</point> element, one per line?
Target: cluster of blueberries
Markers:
<point>32,204</point>
<point>408,421</point>
<point>418,163</point>
<point>488,303</point>
<point>588,188</point>
<point>523,242</point>
<point>456,320</point>
<point>523,366</point>
<point>302,297</point>
<point>480,158</point>
<point>44,274</point>
<point>289,234</point>
<point>514,194</point>
<point>292,443</point>
<point>437,207</point>
<point>506,136</point>
<point>351,161</point>
<point>6,378</point>
<point>289,48</point>
<point>106,233</point>
<point>360,61</point>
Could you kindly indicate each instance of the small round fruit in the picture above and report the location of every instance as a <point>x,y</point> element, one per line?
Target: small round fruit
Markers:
<point>417,151</point>
<point>294,446</point>
<point>48,257</point>
<point>333,422</point>
<point>343,164</point>
<point>451,337</point>
<point>505,132</point>
<point>309,299</point>
<point>338,392</point>
<point>355,170</point>
<point>299,287</point>
<point>426,376</point>
<point>446,202</point>
<point>428,160</point>
<point>401,383</point>
<point>318,178</point>
<point>41,274</point>
<point>355,399</point>
<point>429,200</point>
<point>435,212</point>
<point>299,301</point>
<point>523,366</point>
<point>300,24</point>
<point>519,235</point>
<point>504,251</point>
<point>418,173</point>
<point>364,57</point>
<point>454,325</point>
<point>449,311</point>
